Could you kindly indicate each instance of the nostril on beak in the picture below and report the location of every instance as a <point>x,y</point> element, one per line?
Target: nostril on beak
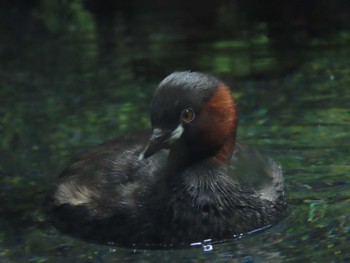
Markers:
<point>157,134</point>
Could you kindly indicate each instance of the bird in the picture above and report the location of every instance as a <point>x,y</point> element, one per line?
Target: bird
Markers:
<point>189,181</point>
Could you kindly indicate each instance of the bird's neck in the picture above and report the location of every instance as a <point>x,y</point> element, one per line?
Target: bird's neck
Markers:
<point>224,154</point>
<point>183,155</point>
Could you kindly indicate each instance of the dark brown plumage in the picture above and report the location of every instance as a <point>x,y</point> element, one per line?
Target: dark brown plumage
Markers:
<point>192,182</point>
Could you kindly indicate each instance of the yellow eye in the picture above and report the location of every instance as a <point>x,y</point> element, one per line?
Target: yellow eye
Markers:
<point>187,115</point>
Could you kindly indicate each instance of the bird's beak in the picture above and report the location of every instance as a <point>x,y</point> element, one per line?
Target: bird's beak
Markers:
<point>161,139</point>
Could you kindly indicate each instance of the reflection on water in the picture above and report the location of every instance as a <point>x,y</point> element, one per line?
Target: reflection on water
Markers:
<point>73,76</point>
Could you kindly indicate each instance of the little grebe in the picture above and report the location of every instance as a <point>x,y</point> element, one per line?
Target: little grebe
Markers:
<point>192,182</point>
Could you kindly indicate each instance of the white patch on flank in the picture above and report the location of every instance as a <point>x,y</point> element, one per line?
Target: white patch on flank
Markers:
<point>175,135</point>
<point>268,193</point>
<point>141,156</point>
<point>271,191</point>
<point>69,193</point>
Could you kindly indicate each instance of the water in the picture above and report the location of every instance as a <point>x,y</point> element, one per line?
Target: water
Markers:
<point>71,78</point>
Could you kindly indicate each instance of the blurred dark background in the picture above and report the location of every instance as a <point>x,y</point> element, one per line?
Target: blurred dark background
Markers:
<point>286,24</point>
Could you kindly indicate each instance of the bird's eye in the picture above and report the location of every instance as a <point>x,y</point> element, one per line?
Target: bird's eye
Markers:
<point>187,115</point>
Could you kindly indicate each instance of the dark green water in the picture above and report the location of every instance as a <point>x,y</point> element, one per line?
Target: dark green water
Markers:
<point>74,76</point>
